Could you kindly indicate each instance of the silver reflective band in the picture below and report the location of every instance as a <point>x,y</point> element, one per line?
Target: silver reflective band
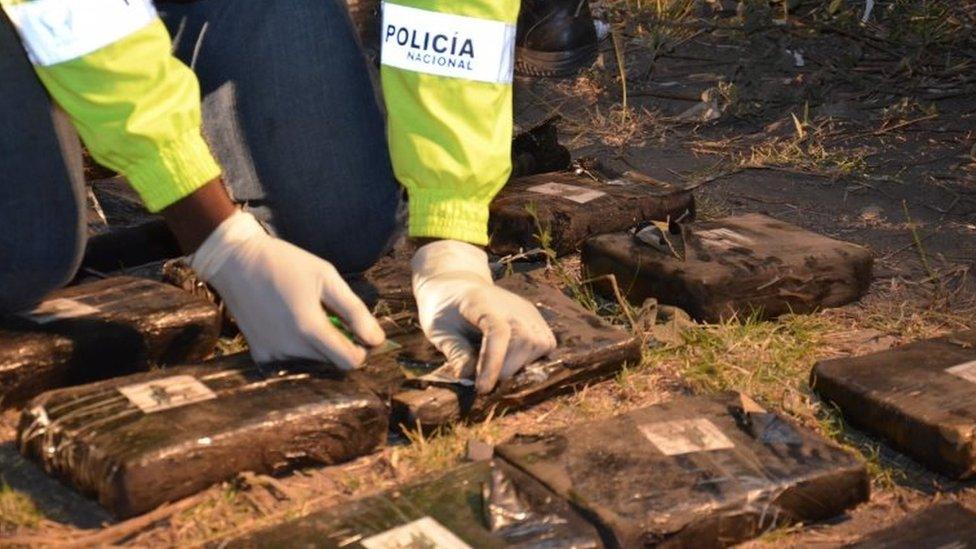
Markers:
<point>54,31</point>
<point>447,45</point>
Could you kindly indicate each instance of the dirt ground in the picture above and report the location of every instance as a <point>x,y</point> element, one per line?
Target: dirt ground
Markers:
<point>864,131</point>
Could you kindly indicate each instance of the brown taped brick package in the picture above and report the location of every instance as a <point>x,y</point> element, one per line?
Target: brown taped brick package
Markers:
<point>693,472</point>
<point>732,267</point>
<point>572,207</point>
<point>140,441</point>
<point>95,331</point>
<point>921,397</point>
<point>484,505</point>
<point>588,349</point>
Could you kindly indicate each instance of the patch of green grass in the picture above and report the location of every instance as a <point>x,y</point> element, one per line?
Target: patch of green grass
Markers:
<point>771,361</point>
<point>831,423</point>
<point>768,360</point>
<point>922,23</point>
<point>630,384</point>
<point>806,151</point>
<point>16,509</point>
<point>582,293</point>
<point>443,448</point>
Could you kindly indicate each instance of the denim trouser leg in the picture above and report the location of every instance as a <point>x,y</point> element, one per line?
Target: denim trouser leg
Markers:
<point>42,208</point>
<point>290,112</point>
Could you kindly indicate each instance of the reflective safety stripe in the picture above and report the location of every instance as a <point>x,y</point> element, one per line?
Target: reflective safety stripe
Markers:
<point>54,31</point>
<point>447,45</point>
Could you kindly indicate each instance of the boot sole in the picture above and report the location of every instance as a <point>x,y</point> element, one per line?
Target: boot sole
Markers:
<point>543,64</point>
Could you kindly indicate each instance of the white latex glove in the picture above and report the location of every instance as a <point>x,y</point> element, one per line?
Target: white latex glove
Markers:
<point>457,301</point>
<point>276,291</point>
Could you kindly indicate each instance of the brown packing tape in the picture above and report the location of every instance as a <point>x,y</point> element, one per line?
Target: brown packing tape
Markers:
<point>732,268</point>
<point>571,206</point>
<point>916,396</point>
<point>139,441</point>
<point>716,480</point>
<point>101,329</point>
<point>487,504</point>
<point>588,349</point>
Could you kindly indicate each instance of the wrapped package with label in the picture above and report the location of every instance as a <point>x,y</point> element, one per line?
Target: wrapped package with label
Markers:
<point>588,350</point>
<point>732,267</point>
<point>485,504</point>
<point>693,472</point>
<point>139,441</point>
<point>920,397</point>
<point>98,330</point>
<point>570,207</point>
<point>946,525</point>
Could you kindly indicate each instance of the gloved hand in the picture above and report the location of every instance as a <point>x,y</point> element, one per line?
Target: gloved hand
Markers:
<point>457,301</point>
<point>276,292</point>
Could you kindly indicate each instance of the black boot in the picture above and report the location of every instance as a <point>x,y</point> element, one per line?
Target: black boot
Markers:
<point>554,38</point>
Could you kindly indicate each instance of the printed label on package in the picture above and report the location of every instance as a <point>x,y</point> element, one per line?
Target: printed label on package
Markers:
<point>686,436</point>
<point>59,309</point>
<point>724,238</point>
<point>168,392</point>
<point>966,370</point>
<point>425,532</point>
<point>580,195</point>
<point>447,45</point>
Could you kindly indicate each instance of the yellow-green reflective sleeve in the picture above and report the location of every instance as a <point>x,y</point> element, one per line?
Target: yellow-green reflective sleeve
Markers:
<point>446,75</point>
<point>136,107</point>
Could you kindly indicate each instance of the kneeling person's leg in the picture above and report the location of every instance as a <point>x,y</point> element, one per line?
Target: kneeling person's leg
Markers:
<point>42,233</point>
<point>290,111</point>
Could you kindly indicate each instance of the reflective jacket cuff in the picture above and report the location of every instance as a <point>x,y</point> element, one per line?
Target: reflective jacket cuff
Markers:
<point>449,217</point>
<point>176,170</point>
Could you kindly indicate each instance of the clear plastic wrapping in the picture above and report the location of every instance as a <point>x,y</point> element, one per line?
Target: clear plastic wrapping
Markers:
<point>97,330</point>
<point>487,504</point>
<point>139,441</point>
<point>693,472</point>
<point>732,267</point>
<point>588,350</point>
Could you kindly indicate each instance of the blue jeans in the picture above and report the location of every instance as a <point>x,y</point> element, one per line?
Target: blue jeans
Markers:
<point>289,110</point>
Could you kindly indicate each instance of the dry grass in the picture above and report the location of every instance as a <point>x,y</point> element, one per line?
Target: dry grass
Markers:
<point>16,510</point>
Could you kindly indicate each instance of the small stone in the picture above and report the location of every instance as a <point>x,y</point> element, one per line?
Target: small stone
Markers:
<point>672,322</point>
<point>479,451</point>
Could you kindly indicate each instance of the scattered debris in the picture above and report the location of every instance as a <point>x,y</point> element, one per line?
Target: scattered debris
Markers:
<point>798,60</point>
<point>663,324</point>
<point>868,8</point>
<point>705,111</point>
